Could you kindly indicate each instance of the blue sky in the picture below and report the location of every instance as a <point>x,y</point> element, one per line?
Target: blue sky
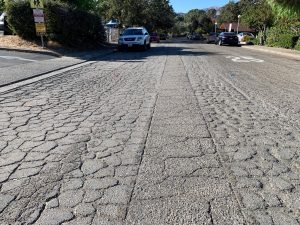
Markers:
<point>186,5</point>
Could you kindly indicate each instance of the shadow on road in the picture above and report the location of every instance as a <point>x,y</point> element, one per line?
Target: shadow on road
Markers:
<point>139,56</point>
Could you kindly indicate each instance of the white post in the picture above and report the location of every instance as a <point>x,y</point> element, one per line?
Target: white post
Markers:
<point>216,27</point>
<point>237,29</point>
<point>42,39</point>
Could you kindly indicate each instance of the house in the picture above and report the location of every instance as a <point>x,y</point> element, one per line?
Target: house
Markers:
<point>234,26</point>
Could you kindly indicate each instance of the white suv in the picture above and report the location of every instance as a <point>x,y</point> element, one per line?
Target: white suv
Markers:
<point>134,37</point>
<point>2,16</point>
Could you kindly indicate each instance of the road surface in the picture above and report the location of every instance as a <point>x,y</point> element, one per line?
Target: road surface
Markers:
<point>12,58</point>
<point>185,133</point>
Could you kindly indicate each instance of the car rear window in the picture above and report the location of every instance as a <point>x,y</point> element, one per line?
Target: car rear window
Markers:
<point>133,32</point>
<point>229,34</point>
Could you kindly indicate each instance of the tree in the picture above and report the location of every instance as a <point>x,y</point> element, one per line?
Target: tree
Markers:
<point>230,12</point>
<point>286,8</point>
<point>87,5</point>
<point>127,12</point>
<point>2,5</point>
<point>160,15</point>
<point>258,15</point>
<point>212,13</point>
<point>103,8</point>
<point>198,20</point>
<point>180,26</point>
<point>153,14</point>
<point>193,19</point>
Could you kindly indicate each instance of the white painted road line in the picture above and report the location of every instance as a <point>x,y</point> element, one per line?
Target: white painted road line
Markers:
<point>244,59</point>
<point>17,58</point>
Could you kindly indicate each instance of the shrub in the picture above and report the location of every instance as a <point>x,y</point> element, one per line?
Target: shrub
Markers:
<point>199,30</point>
<point>73,27</point>
<point>297,46</point>
<point>281,36</point>
<point>20,19</point>
<point>255,41</point>
<point>64,24</point>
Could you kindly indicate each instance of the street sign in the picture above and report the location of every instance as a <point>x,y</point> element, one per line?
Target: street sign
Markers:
<point>38,15</point>
<point>36,4</point>
<point>40,28</point>
<point>39,19</point>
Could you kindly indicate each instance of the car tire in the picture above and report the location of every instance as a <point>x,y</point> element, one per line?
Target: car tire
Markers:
<point>220,43</point>
<point>145,46</point>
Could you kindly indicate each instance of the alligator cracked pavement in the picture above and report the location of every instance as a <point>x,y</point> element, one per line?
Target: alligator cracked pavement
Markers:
<point>143,138</point>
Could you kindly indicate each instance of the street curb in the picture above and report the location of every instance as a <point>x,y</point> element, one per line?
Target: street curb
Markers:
<point>291,55</point>
<point>32,51</point>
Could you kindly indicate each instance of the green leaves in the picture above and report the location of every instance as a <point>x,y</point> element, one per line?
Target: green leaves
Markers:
<point>2,5</point>
<point>229,13</point>
<point>198,20</point>
<point>153,14</point>
<point>257,14</point>
<point>286,8</point>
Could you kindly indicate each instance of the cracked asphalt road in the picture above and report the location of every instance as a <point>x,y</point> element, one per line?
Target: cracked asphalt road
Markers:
<point>180,134</point>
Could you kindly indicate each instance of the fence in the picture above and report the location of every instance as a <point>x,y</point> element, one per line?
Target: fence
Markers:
<point>113,35</point>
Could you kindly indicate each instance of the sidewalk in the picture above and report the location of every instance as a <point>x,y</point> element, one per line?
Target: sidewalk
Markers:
<point>279,51</point>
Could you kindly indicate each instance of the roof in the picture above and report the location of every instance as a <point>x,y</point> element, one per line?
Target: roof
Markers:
<point>225,26</point>
<point>135,28</point>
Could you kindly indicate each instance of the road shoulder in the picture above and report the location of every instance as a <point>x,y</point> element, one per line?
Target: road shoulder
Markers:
<point>272,50</point>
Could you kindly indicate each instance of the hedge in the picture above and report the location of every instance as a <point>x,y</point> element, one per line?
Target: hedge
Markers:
<point>281,36</point>
<point>64,24</point>
<point>72,26</point>
<point>297,46</point>
<point>20,19</point>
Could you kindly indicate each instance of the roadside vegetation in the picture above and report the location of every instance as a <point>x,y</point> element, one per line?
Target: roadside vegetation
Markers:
<point>81,22</point>
<point>276,23</point>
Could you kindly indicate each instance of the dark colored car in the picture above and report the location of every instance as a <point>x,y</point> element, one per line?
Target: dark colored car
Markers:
<point>227,38</point>
<point>211,38</point>
<point>195,36</point>
<point>154,37</point>
<point>163,36</point>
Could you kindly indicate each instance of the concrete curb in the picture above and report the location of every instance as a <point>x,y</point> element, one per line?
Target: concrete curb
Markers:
<point>32,51</point>
<point>273,51</point>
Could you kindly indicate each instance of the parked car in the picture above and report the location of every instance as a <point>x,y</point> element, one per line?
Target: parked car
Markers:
<point>243,34</point>
<point>154,38</point>
<point>195,36</point>
<point>211,38</point>
<point>134,37</point>
<point>4,28</point>
<point>2,16</point>
<point>227,38</point>
<point>163,36</point>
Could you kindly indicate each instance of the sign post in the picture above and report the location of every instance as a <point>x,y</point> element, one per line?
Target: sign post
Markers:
<point>39,19</point>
